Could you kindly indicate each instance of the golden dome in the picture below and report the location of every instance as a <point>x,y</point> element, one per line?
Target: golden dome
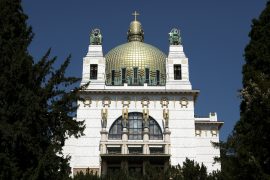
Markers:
<point>135,62</point>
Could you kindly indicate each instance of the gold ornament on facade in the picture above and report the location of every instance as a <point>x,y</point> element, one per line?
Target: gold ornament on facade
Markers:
<point>164,102</point>
<point>125,117</point>
<point>198,132</point>
<point>87,102</point>
<point>145,117</point>
<point>184,102</point>
<point>106,102</point>
<point>145,102</point>
<point>166,117</point>
<point>104,116</point>
<point>126,101</point>
<point>214,132</point>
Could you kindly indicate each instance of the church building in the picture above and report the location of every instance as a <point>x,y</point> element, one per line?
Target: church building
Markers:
<point>139,108</point>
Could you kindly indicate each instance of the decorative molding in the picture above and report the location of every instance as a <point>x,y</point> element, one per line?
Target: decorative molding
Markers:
<point>184,102</point>
<point>106,102</point>
<point>184,61</point>
<point>164,102</point>
<point>198,132</point>
<point>214,132</point>
<point>126,101</point>
<point>145,102</point>
<point>87,102</point>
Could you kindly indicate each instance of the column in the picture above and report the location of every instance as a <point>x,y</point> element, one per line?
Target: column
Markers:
<point>124,166</point>
<point>146,140</point>
<point>104,168</point>
<point>124,140</point>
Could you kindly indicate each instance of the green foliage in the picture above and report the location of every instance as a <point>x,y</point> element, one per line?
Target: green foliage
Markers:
<point>89,175</point>
<point>36,110</point>
<point>152,172</point>
<point>189,171</point>
<point>246,155</point>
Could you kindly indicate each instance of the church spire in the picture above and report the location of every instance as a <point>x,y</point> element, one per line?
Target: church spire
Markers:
<point>135,32</point>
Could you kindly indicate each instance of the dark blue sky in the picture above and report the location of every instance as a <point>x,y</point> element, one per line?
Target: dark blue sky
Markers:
<point>214,35</point>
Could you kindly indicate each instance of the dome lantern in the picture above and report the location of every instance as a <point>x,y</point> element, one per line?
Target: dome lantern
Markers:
<point>135,32</point>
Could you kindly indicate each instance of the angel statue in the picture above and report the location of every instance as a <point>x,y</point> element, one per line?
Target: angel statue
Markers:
<point>174,37</point>
<point>95,37</point>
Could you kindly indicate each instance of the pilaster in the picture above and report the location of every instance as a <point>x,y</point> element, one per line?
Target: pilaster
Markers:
<point>167,140</point>
<point>104,138</point>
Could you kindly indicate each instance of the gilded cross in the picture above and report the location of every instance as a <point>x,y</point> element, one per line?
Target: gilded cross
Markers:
<point>135,14</point>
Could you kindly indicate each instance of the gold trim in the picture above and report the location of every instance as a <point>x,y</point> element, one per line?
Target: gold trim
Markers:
<point>164,102</point>
<point>87,102</point>
<point>184,102</point>
<point>145,102</point>
<point>106,101</point>
<point>126,101</point>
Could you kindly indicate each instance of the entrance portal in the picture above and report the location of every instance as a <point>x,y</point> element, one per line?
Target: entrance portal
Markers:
<point>133,164</point>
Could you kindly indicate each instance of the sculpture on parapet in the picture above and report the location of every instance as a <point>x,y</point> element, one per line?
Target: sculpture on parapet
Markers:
<point>166,118</point>
<point>96,37</point>
<point>146,118</point>
<point>104,116</point>
<point>174,37</point>
<point>125,117</point>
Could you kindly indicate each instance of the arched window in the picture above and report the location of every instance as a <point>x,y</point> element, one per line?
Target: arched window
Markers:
<point>154,130</point>
<point>116,129</point>
<point>135,128</point>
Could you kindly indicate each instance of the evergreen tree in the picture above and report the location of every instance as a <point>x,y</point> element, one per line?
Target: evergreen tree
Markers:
<point>193,171</point>
<point>250,141</point>
<point>36,110</point>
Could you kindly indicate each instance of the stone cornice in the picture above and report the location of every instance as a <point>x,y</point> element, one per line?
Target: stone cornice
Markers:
<point>218,123</point>
<point>195,93</point>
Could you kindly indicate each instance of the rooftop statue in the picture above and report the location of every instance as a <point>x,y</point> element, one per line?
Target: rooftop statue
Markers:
<point>174,37</point>
<point>96,37</point>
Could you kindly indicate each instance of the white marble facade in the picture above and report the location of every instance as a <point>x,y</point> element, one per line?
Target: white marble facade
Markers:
<point>186,136</point>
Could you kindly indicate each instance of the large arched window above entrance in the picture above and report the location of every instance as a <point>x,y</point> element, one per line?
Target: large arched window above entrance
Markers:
<point>135,128</point>
<point>116,129</point>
